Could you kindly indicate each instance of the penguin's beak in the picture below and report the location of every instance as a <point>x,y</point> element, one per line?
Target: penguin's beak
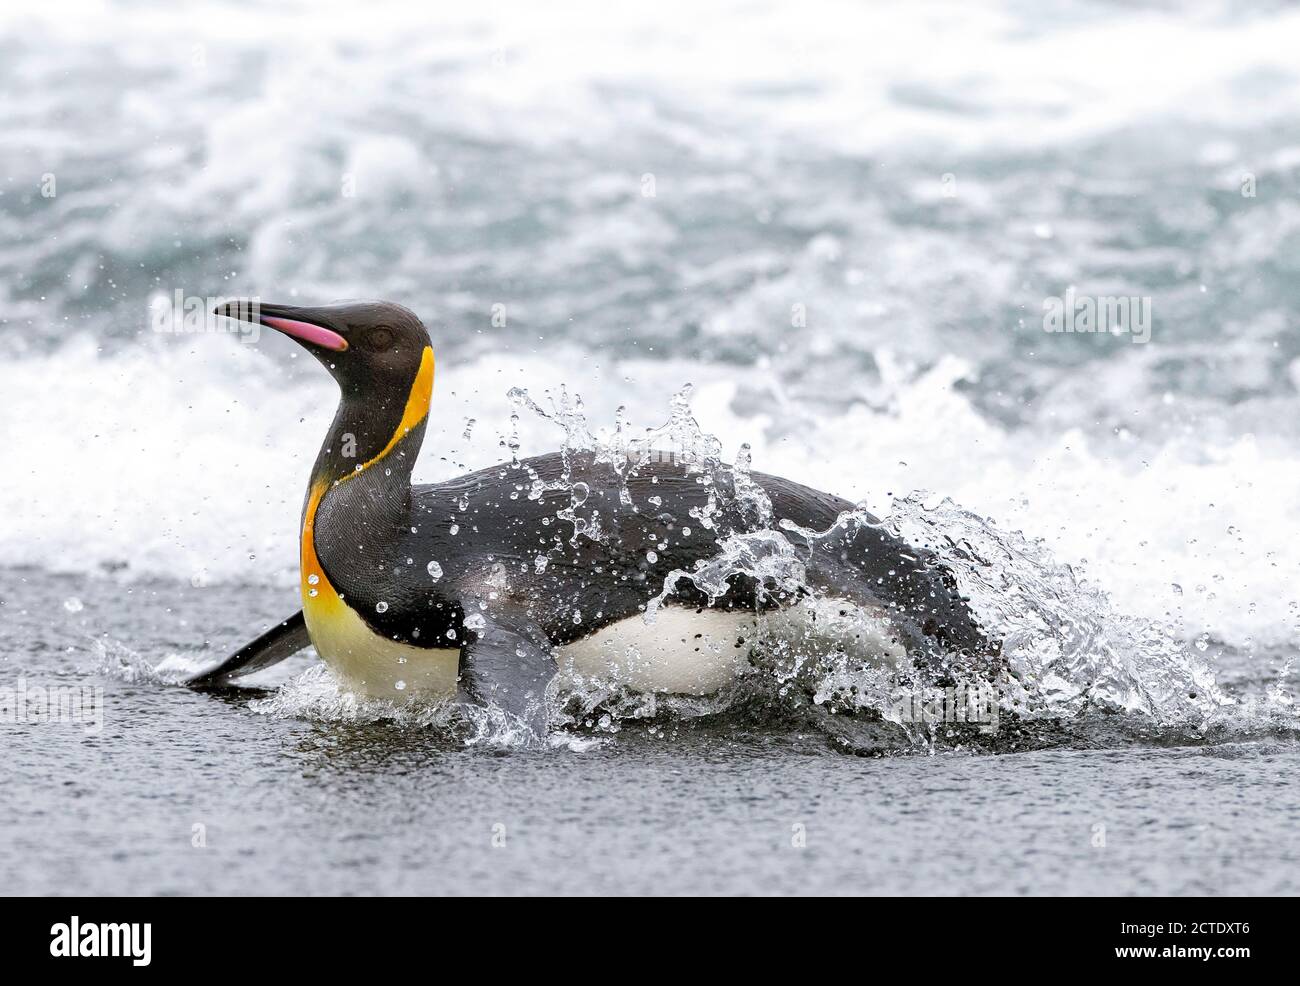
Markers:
<point>294,322</point>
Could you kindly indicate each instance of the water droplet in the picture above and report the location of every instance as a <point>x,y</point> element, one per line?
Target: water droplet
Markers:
<point>434,570</point>
<point>381,607</point>
<point>744,458</point>
<point>686,532</point>
<point>651,557</point>
<point>313,579</point>
<point>475,622</point>
<point>540,563</point>
<point>577,616</point>
<point>73,605</point>
<point>400,685</point>
<point>313,593</point>
<point>454,529</point>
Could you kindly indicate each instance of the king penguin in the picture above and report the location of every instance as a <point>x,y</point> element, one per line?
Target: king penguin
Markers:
<point>484,586</point>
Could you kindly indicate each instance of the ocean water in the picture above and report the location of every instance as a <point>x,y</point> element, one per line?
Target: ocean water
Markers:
<point>840,223</point>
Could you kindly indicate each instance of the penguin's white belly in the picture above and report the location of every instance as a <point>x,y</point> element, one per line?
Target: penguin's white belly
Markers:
<point>683,651</point>
<point>696,652</point>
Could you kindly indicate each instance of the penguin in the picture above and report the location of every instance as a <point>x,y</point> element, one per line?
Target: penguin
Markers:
<point>484,587</point>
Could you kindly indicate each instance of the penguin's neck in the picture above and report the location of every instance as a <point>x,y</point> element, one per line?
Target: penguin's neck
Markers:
<point>360,490</point>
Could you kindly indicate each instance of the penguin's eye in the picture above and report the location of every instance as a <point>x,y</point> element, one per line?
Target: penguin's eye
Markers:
<point>379,339</point>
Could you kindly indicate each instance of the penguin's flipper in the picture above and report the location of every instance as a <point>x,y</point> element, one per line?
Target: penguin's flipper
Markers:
<point>281,641</point>
<point>508,663</point>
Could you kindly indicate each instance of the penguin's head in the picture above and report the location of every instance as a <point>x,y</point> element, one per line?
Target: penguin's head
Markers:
<point>368,346</point>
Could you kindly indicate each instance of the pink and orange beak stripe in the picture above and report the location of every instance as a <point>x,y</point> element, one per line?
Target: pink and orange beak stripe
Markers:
<point>279,317</point>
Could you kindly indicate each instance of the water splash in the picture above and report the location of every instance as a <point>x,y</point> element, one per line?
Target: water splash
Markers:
<point>766,556</point>
<point>679,440</point>
<point>1067,647</point>
<point>114,659</point>
<point>318,695</point>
